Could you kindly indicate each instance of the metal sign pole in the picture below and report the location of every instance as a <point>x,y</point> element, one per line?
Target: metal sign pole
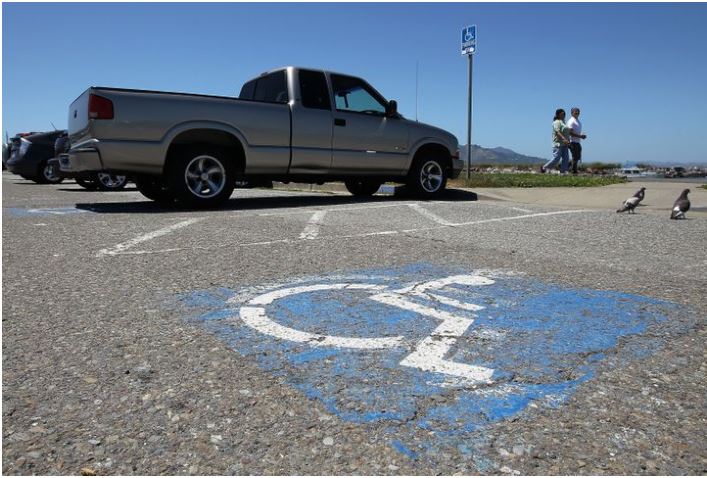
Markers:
<point>468,132</point>
<point>468,45</point>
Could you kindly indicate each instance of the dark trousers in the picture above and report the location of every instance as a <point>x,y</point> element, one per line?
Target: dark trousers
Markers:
<point>576,150</point>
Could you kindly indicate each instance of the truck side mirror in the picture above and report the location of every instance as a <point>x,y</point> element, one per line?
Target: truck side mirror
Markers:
<point>391,109</point>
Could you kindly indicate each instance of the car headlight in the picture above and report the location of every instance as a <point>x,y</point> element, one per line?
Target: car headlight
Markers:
<point>24,146</point>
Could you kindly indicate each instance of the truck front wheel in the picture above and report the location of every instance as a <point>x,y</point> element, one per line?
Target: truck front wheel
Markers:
<point>200,177</point>
<point>427,176</point>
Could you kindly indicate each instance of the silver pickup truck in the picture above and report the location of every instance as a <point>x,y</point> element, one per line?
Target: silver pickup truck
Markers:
<point>290,124</point>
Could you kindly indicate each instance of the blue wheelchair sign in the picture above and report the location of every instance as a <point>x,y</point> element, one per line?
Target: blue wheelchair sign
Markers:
<point>469,40</point>
<point>421,348</point>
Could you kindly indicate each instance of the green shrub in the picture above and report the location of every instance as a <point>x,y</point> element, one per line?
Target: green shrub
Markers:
<point>530,180</point>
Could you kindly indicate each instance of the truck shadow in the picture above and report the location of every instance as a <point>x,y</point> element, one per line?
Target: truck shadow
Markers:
<point>268,202</point>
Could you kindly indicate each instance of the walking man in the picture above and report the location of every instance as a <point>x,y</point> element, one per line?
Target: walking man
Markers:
<point>576,137</point>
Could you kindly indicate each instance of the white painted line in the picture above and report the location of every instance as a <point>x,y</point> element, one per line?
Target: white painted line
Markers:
<point>429,215</point>
<point>122,251</point>
<point>137,253</point>
<point>498,219</point>
<point>331,209</point>
<point>120,248</point>
<point>311,230</point>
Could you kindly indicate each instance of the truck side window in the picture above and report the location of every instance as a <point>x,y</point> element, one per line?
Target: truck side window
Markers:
<point>248,91</point>
<point>314,90</point>
<point>353,94</point>
<point>272,88</point>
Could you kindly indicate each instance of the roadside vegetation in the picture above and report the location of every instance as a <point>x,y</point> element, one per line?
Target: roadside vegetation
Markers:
<point>533,180</point>
<point>589,168</point>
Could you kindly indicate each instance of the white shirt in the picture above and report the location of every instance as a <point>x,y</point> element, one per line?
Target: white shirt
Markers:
<point>576,126</point>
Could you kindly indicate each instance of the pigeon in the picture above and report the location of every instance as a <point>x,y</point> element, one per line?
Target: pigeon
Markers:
<point>681,206</point>
<point>629,205</point>
<point>640,194</point>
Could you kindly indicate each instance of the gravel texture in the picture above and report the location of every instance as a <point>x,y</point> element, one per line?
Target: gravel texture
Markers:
<point>102,376</point>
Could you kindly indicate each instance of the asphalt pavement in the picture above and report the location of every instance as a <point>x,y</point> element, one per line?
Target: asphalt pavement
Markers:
<point>302,332</point>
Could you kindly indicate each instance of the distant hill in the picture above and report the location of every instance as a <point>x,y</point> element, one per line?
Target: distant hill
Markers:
<point>498,155</point>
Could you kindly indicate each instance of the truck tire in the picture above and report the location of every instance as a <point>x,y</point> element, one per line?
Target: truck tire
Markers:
<point>201,177</point>
<point>155,190</point>
<point>427,177</point>
<point>111,182</point>
<point>363,188</point>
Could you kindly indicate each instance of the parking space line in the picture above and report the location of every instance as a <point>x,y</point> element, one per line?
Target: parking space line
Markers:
<point>499,219</point>
<point>429,215</point>
<point>120,248</point>
<point>311,230</point>
<point>331,209</point>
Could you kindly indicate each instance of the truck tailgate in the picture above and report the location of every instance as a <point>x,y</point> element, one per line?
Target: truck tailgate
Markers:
<point>78,118</point>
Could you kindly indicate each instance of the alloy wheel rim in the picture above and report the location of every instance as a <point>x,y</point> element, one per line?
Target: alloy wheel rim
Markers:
<point>111,180</point>
<point>50,173</point>
<point>431,176</point>
<point>205,176</point>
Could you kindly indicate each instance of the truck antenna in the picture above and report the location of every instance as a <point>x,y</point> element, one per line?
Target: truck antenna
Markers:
<point>53,125</point>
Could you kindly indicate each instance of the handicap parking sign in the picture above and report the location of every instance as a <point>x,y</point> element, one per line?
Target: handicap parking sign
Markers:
<point>444,350</point>
<point>469,40</point>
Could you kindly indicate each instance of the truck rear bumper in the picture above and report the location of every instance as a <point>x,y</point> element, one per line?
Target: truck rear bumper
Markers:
<point>80,160</point>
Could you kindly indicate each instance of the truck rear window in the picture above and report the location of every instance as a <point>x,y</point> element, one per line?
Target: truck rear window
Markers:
<point>248,91</point>
<point>270,88</point>
<point>314,90</point>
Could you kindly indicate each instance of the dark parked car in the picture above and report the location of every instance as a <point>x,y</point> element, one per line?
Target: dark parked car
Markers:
<point>91,181</point>
<point>5,154</point>
<point>30,155</point>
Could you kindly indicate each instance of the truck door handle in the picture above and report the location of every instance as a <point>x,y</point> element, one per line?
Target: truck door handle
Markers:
<point>339,122</point>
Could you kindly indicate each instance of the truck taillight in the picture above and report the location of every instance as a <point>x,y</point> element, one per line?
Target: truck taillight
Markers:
<point>99,107</point>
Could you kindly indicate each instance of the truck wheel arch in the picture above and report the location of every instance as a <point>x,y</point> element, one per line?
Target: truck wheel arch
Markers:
<point>223,139</point>
<point>436,149</point>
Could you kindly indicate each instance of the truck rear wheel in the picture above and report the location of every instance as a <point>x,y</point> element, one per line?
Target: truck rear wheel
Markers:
<point>427,176</point>
<point>363,188</point>
<point>200,177</point>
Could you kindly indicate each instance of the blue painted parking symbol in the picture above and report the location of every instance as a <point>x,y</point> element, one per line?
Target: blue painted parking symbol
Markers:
<point>443,350</point>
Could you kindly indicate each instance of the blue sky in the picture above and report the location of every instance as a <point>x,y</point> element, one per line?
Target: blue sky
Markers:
<point>638,71</point>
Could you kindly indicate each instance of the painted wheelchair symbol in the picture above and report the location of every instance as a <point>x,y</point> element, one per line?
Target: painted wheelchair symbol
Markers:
<point>468,35</point>
<point>427,355</point>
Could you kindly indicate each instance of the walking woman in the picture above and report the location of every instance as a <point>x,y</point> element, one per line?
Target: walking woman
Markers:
<point>560,143</point>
